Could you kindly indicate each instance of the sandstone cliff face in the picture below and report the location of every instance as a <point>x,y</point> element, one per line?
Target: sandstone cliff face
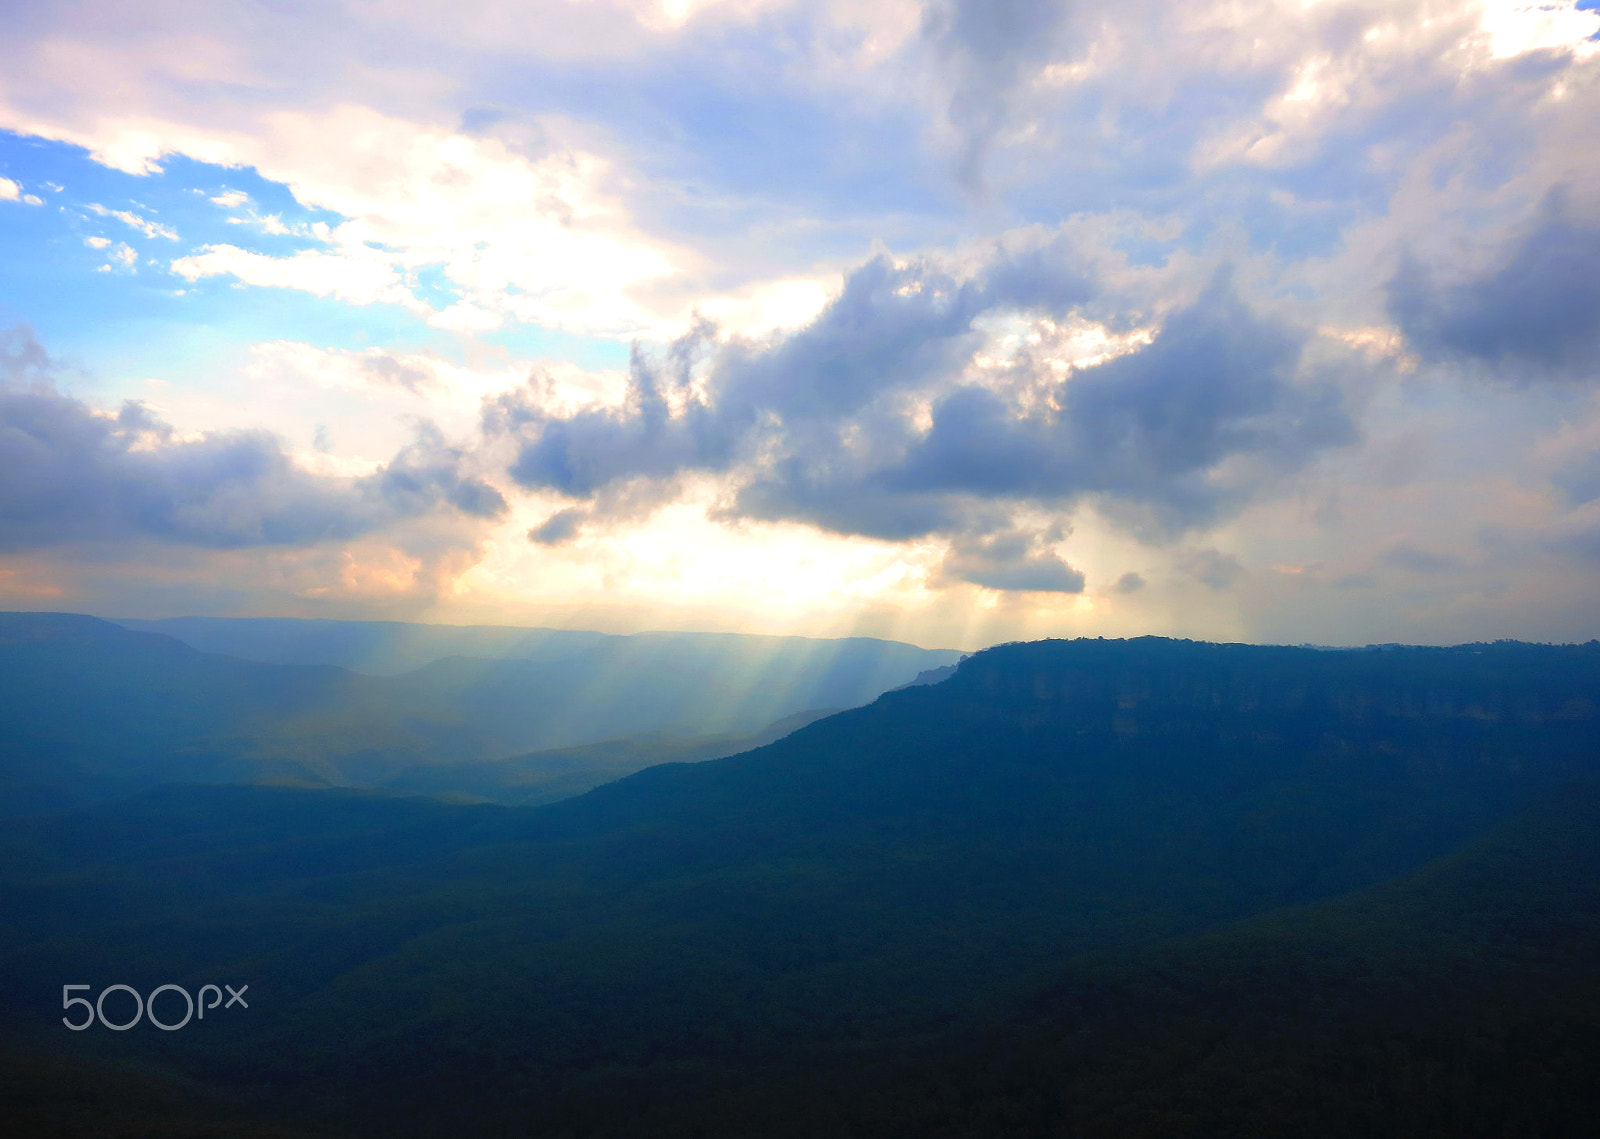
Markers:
<point>1510,682</point>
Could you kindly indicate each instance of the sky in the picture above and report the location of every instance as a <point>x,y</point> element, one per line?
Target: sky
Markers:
<point>948,321</point>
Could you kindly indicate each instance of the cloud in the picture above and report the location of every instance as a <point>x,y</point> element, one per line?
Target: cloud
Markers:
<point>387,369</point>
<point>562,526</point>
<point>893,329</point>
<point>357,278</point>
<point>823,425</point>
<point>595,448</point>
<point>1012,561</point>
<point>70,474</point>
<point>1583,543</point>
<point>1213,568</point>
<point>529,233</point>
<point>1519,26</point>
<point>427,473</point>
<point>609,170</point>
<point>1129,582</point>
<point>1412,558</point>
<point>604,197</point>
<point>11,192</point>
<point>143,225</point>
<point>1579,480</point>
<point>987,48</point>
<point>1535,314</point>
<point>1147,429</point>
<point>844,502</point>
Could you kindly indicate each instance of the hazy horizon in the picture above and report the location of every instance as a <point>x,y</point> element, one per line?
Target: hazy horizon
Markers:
<point>751,632</point>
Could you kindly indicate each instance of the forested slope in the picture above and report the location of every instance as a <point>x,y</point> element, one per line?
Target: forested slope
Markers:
<point>1021,856</point>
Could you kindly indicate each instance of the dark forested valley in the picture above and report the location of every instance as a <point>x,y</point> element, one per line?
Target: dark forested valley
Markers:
<point>1098,888</point>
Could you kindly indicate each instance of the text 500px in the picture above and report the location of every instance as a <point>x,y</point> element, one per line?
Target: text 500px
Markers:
<point>194,1007</point>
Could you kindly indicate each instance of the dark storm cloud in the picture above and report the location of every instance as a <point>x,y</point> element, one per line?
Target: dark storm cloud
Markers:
<point>1536,314</point>
<point>69,474</point>
<point>819,426</point>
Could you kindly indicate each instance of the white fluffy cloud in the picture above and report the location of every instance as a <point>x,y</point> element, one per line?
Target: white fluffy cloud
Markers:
<point>535,240</point>
<point>129,218</point>
<point>361,278</point>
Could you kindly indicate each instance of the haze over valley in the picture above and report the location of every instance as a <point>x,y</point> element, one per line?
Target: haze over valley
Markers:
<point>95,708</point>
